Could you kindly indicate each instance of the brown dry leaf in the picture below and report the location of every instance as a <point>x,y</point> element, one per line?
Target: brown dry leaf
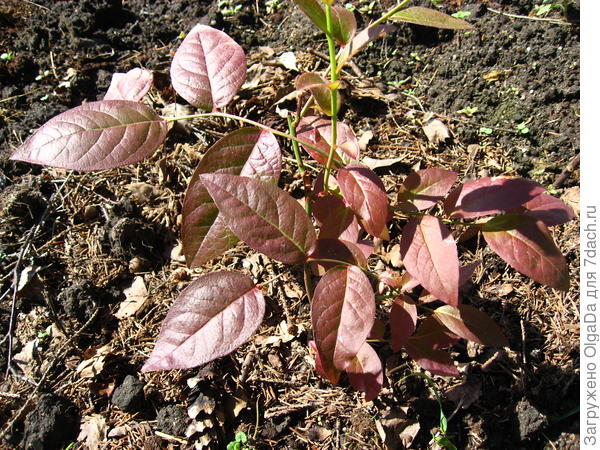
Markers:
<point>136,299</point>
<point>373,163</point>
<point>501,291</point>
<point>142,192</point>
<point>93,431</point>
<point>241,402</point>
<point>319,434</point>
<point>393,256</point>
<point>436,131</point>
<point>292,291</point>
<point>198,427</point>
<point>177,253</point>
<point>466,393</point>
<point>409,433</point>
<point>94,361</point>
<point>363,141</point>
<point>28,358</point>
<point>571,198</point>
<point>202,403</point>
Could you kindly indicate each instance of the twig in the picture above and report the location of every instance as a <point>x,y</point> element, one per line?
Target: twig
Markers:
<point>62,351</point>
<point>573,164</point>
<point>539,19</point>
<point>16,274</point>
<point>38,5</point>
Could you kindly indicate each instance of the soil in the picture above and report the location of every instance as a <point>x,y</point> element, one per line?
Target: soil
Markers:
<point>508,92</point>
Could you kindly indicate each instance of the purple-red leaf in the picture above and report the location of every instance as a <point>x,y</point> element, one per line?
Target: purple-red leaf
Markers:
<point>471,324</point>
<point>342,314</point>
<point>208,68</point>
<point>430,255</point>
<point>211,317</point>
<point>425,188</point>
<point>344,23</point>
<point>435,361</point>
<point>132,85</point>
<point>333,252</point>
<point>526,244</point>
<point>96,136</point>
<point>248,152</point>
<point>361,40</point>
<point>266,218</point>
<point>366,372</point>
<point>434,334</point>
<point>331,373</point>
<point>403,321</point>
<point>550,210</point>
<point>319,88</point>
<point>430,18</point>
<point>364,192</point>
<point>317,131</point>
<point>490,195</point>
<point>334,218</point>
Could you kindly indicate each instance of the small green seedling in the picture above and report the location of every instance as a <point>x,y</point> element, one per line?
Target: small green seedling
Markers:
<point>461,14</point>
<point>468,111</point>
<point>7,56</point>
<point>522,128</point>
<point>547,6</point>
<point>486,130</point>
<point>239,443</point>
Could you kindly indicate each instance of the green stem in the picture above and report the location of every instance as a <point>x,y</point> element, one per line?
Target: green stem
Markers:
<point>390,13</point>
<point>333,87</point>
<point>292,128</point>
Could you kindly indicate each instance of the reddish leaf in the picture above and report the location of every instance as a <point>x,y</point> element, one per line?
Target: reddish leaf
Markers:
<point>430,18</point>
<point>266,218</point>
<point>429,254</point>
<point>332,252</point>
<point>408,282</point>
<point>132,85</point>
<point>403,321</point>
<point>388,278</point>
<point>366,372</point>
<point>364,192</point>
<point>344,23</point>
<point>425,188</point>
<point>95,136</point>
<point>319,88</point>
<point>435,361</point>
<point>471,324</point>
<point>248,152</point>
<point>377,332</point>
<point>208,68</point>
<point>490,195</point>
<point>464,274</point>
<point>334,218</point>
<point>361,40</point>
<point>550,210</point>
<point>211,317</point>
<point>332,374</point>
<point>526,244</point>
<point>342,314</point>
<point>434,334</point>
<point>317,131</point>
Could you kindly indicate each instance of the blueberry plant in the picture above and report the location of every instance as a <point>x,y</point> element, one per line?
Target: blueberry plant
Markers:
<point>234,195</point>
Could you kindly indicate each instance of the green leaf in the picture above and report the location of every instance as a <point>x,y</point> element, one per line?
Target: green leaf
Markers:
<point>430,18</point>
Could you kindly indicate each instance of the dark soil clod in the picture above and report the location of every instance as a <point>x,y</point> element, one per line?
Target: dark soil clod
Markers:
<point>129,396</point>
<point>51,425</point>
